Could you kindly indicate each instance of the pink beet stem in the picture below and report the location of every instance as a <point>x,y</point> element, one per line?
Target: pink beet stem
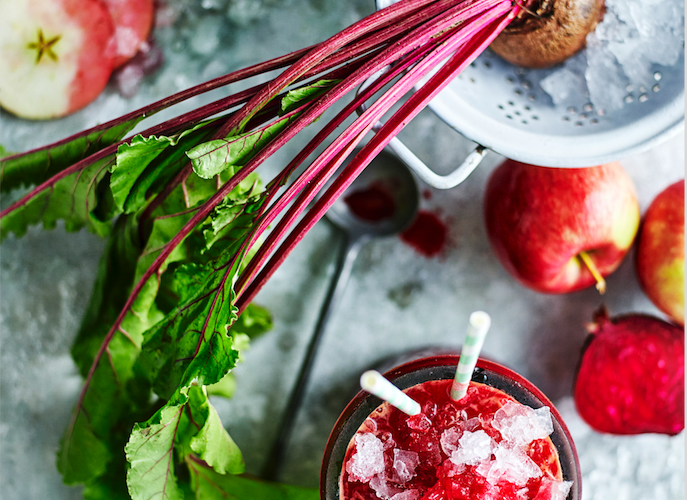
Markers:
<point>413,106</point>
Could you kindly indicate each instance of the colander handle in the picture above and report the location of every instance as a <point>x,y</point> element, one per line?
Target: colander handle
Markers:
<point>416,164</point>
<point>428,175</point>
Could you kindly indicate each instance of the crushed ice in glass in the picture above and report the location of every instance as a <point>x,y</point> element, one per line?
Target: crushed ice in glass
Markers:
<point>368,459</point>
<point>521,424</point>
<point>474,447</point>
<point>383,488</point>
<point>404,466</point>
<point>550,489</point>
<point>511,464</point>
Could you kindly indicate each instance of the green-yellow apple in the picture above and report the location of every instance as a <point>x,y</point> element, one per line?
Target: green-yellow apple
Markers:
<point>56,56</point>
<point>559,230</point>
<point>661,252</point>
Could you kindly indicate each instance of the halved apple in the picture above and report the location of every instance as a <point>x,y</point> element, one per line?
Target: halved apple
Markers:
<point>56,56</point>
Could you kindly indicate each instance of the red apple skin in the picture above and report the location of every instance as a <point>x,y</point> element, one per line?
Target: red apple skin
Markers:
<point>539,219</point>
<point>660,260</point>
<point>133,20</point>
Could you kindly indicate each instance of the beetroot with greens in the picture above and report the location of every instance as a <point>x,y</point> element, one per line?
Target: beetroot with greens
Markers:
<point>185,215</point>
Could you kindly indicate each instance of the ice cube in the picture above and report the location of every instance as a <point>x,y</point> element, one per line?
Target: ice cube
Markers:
<point>404,466</point>
<point>449,439</point>
<point>520,424</point>
<point>551,489</point>
<point>419,422</point>
<point>513,465</point>
<point>368,459</point>
<point>406,495</point>
<point>474,447</point>
<point>568,82</point>
<point>383,488</point>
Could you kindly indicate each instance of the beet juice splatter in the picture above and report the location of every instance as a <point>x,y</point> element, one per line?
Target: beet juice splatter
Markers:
<point>372,204</point>
<point>427,235</point>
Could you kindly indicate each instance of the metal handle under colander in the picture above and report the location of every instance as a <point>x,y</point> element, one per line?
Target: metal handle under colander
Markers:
<point>418,166</point>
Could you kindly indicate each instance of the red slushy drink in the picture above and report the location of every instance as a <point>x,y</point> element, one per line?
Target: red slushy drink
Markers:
<point>487,446</point>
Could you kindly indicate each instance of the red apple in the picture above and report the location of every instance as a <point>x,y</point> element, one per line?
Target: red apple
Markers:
<point>559,230</point>
<point>132,20</point>
<point>56,56</point>
<point>661,252</point>
<point>631,376</point>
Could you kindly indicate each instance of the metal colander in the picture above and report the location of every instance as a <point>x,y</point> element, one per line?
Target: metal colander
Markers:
<point>503,108</point>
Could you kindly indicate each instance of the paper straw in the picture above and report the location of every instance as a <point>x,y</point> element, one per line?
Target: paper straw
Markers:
<point>477,331</point>
<point>373,382</point>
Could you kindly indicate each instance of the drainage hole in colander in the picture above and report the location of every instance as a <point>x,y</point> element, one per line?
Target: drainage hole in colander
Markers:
<point>656,88</point>
<point>572,110</point>
<point>643,98</point>
<point>628,99</point>
<point>487,64</point>
<point>535,117</point>
<point>509,117</point>
<point>578,124</point>
<point>526,85</point>
<point>510,79</point>
<point>518,92</point>
<point>532,97</point>
<point>524,122</point>
<point>511,103</point>
<point>500,106</point>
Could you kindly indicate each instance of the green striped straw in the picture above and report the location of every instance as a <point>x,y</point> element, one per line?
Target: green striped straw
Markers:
<point>477,331</point>
<point>373,382</point>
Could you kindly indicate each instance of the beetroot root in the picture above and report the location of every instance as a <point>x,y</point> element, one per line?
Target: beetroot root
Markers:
<point>549,32</point>
<point>631,376</point>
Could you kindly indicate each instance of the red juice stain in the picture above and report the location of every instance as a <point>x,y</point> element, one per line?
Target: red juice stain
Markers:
<point>371,204</point>
<point>427,194</point>
<point>427,235</point>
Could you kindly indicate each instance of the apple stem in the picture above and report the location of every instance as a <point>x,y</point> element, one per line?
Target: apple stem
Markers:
<point>600,281</point>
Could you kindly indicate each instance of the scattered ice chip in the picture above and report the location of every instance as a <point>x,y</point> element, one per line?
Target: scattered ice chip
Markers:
<point>551,489</point>
<point>605,78</point>
<point>404,466</point>
<point>368,459</point>
<point>520,424</point>
<point>383,488</point>
<point>474,448</point>
<point>513,465</point>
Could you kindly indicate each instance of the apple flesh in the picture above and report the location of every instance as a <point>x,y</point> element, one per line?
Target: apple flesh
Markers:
<point>56,56</point>
<point>133,20</point>
<point>542,221</point>
<point>660,261</point>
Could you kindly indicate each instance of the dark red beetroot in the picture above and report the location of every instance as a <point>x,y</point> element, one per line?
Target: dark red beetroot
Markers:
<point>631,375</point>
<point>551,32</point>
